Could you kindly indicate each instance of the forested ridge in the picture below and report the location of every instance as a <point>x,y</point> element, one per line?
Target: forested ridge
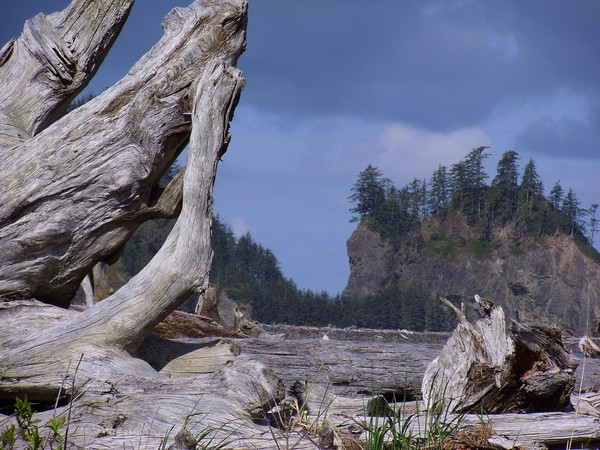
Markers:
<point>511,197</point>
<point>458,215</point>
<point>250,274</point>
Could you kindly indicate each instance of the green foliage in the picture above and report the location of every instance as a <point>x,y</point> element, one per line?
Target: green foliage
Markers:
<point>395,305</point>
<point>8,437</point>
<point>502,197</point>
<point>30,431</point>
<point>399,430</point>
<point>368,192</point>
<point>80,101</point>
<point>440,244</point>
<point>556,195</point>
<point>531,185</point>
<point>210,438</point>
<point>481,250</point>
<point>467,183</point>
<point>28,425</point>
<point>144,244</point>
<point>439,189</point>
<point>463,190</point>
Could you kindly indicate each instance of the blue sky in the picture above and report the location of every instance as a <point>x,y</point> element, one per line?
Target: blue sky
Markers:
<point>404,85</point>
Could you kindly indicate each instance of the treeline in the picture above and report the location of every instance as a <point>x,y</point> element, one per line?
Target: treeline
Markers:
<point>242,269</point>
<point>512,196</point>
<point>249,273</point>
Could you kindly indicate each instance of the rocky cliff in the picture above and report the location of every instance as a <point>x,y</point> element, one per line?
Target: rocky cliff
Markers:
<point>548,280</point>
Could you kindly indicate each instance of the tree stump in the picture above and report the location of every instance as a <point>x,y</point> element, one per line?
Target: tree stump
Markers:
<point>481,368</point>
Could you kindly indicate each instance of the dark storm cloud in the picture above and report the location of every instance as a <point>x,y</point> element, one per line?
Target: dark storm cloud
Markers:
<point>435,64</point>
<point>566,137</point>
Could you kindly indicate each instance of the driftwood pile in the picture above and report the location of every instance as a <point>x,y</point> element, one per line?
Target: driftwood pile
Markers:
<point>272,391</point>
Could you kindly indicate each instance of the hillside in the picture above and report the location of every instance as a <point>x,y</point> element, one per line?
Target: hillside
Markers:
<point>548,280</point>
<point>529,253</point>
<point>453,236</point>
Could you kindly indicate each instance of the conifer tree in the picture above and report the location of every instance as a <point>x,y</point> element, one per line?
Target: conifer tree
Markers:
<point>531,183</point>
<point>368,192</point>
<point>467,179</point>
<point>417,192</point>
<point>556,195</point>
<point>593,222</point>
<point>439,189</point>
<point>570,207</point>
<point>507,172</point>
<point>458,183</point>
<point>503,201</point>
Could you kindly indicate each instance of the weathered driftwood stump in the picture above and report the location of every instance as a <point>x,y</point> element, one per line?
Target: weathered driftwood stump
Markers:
<point>481,368</point>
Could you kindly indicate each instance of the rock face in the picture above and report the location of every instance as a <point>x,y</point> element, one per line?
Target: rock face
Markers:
<point>368,254</point>
<point>548,280</point>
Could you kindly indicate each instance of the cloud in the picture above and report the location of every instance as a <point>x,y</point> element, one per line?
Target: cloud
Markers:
<point>575,137</point>
<point>437,65</point>
<point>404,152</point>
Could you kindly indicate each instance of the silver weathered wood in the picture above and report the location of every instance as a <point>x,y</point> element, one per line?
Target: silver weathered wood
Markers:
<point>73,191</point>
<point>482,366</point>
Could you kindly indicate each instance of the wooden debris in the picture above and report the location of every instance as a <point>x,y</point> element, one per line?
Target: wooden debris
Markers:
<point>245,326</point>
<point>482,368</point>
<point>587,403</point>
<point>588,347</point>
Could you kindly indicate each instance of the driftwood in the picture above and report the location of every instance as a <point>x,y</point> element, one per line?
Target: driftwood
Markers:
<point>74,190</point>
<point>482,368</point>
<point>588,347</point>
<point>338,379</point>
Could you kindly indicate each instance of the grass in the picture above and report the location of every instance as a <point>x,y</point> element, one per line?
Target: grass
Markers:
<point>388,429</point>
<point>210,438</point>
<point>53,435</point>
<point>291,417</point>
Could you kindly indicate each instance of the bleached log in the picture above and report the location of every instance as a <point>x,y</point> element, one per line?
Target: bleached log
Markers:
<point>122,320</point>
<point>588,347</point>
<point>73,191</point>
<point>481,367</point>
<point>88,291</point>
<point>85,181</point>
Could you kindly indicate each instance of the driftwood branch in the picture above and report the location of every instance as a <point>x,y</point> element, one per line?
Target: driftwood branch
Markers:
<point>51,62</point>
<point>122,320</point>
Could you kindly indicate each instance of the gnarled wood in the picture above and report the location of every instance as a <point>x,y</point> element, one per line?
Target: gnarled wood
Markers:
<point>122,320</point>
<point>88,182</point>
<point>51,62</point>
<point>74,192</point>
<point>481,367</point>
